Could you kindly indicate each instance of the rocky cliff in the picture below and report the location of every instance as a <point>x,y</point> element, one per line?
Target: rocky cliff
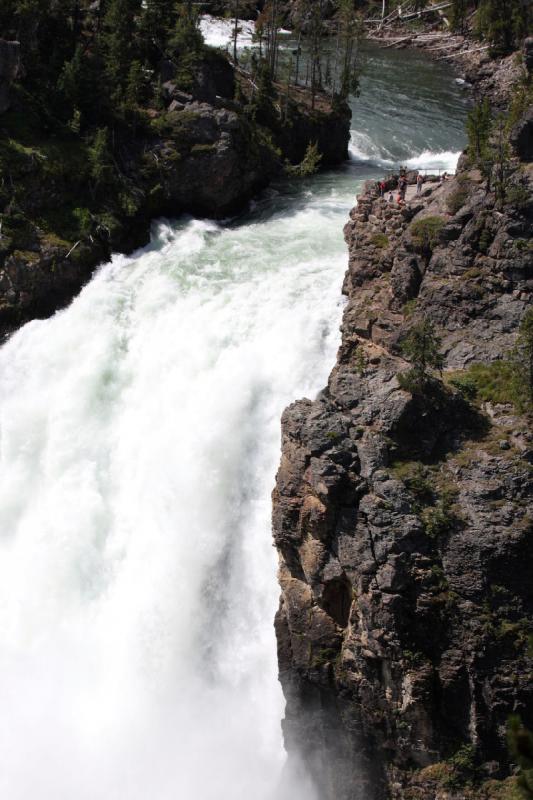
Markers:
<point>404,519</point>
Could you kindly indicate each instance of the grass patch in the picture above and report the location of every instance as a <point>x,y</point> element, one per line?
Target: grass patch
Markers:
<point>380,240</point>
<point>490,383</point>
<point>426,233</point>
<point>409,308</point>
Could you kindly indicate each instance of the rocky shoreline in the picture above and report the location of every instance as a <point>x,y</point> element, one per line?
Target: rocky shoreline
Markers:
<point>403,521</point>
<point>493,78</point>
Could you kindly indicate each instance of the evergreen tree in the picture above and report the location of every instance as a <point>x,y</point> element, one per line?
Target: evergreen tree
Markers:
<point>500,158</point>
<point>458,15</point>
<point>478,127</point>
<point>316,46</point>
<point>185,46</point>
<point>157,22</point>
<point>100,160</point>
<point>136,85</point>
<point>422,348</point>
<point>117,43</point>
<point>264,101</point>
<point>72,80</point>
<point>504,23</point>
<point>349,35</point>
<point>235,8</point>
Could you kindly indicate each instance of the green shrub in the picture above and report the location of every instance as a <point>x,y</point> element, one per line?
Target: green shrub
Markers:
<point>409,307</point>
<point>426,232</point>
<point>380,240</point>
<point>309,165</point>
<point>518,196</point>
<point>463,767</point>
<point>441,518</point>
<point>416,478</point>
<point>84,220</point>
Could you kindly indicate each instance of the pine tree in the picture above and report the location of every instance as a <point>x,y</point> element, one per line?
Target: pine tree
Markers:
<point>157,22</point>
<point>136,85</point>
<point>235,8</point>
<point>117,42</point>
<point>478,127</point>
<point>264,100</point>
<point>349,35</point>
<point>504,23</point>
<point>500,157</point>
<point>100,160</point>
<point>72,80</point>
<point>458,15</point>
<point>422,348</point>
<point>316,45</point>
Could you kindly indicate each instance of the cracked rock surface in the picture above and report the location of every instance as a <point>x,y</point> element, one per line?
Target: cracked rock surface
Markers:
<point>404,523</point>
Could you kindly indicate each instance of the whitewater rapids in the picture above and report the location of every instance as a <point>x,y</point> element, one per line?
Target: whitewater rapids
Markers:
<point>139,440</point>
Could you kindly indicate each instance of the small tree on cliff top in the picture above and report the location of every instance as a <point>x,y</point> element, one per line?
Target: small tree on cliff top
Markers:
<point>422,348</point>
<point>478,127</point>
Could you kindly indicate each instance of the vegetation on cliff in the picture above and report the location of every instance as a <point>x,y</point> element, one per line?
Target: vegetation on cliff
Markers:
<point>120,113</point>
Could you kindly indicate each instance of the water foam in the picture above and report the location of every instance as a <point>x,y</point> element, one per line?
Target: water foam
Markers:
<point>219,32</point>
<point>139,436</point>
<point>438,161</point>
<point>364,149</point>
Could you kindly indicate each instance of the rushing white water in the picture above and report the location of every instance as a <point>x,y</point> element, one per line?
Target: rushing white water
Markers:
<point>139,440</point>
<point>219,32</point>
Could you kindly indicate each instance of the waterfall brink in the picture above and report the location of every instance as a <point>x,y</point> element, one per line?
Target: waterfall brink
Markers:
<point>139,440</point>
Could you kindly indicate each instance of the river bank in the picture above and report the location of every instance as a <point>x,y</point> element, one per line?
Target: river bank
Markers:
<point>493,78</point>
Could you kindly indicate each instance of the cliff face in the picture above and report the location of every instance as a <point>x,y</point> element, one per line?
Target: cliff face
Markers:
<point>404,521</point>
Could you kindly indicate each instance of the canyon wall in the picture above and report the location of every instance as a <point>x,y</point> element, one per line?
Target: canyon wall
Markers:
<point>403,519</point>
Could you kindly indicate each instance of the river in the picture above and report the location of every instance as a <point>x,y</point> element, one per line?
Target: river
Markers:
<point>139,439</point>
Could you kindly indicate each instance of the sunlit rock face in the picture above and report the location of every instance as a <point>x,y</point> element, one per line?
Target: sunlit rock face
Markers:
<point>403,521</point>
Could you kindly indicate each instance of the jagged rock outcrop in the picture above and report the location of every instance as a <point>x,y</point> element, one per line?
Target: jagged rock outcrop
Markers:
<point>404,521</point>
<point>9,68</point>
<point>205,160</point>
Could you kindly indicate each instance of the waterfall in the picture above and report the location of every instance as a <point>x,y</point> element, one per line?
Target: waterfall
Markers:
<point>139,438</point>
